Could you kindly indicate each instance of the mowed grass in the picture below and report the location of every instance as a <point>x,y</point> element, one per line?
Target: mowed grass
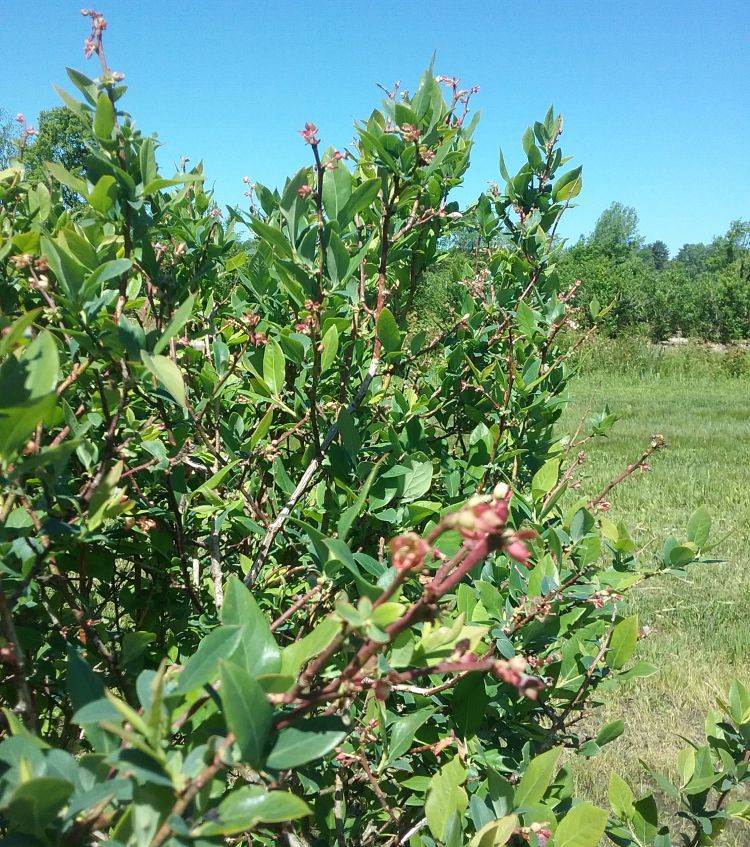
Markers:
<point>702,624</point>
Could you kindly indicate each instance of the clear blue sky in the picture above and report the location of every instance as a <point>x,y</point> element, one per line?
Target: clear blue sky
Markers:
<point>655,93</point>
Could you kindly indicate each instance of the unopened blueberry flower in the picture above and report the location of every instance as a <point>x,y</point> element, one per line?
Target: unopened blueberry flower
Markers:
<point>309,133</point>
<point>408,551</point>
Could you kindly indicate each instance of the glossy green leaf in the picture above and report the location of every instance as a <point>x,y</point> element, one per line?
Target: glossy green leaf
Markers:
<point>103,194</point>
<point>446,796</point>
<point>257,651</point>
<point>104,117</point>
<point>35,804</point>
<point>249,806</point>
<point>330,348</point>
<point>305,742</point>
<point>203,665</point>
<point>622,642</point>
<point>273,366</point>
<point>247,712</point>
<point>537,778</point>
<point>362,196</point>
<point>176,323</point>
<point>620,797</point>
<point>699,527</point>
<point>495,833</point>
<point>567,186</point>
<point>388,331</point>
<point>295,655</point>
<point>402,731</point>
<point>739,703</point>
<point>583,826</point>
<point>168,374</point>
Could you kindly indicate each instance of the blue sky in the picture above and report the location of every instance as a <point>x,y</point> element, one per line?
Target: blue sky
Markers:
<point>655,94</point>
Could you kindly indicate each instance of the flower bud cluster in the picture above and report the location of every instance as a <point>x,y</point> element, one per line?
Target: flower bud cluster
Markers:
<point>310,134</point>
<point>93,41</point>
<point>513,672</point>
<point>408,551</point>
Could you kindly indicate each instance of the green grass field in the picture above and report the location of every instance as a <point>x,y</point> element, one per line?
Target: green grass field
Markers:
<point>702,624</point>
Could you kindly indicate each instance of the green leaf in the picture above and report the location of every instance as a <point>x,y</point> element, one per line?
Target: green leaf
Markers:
<point>620,797</point>
<point>273,235</point>
<point>305,742</point>
<point>19,422</point>
<point>567,186</point>
<point>66,178</point>
<point>362,196</point>
<point>699,527</point>
<point>388,332</point>
<point>247,711</point>
<point>273,367</point>
<point>640,670</point>
<point>168,374</point>
<point>176,323</point>
<point>686,765</point>
<point>261,431</point>
<point>645,819</point>
<point>740,810</point>
<point>250,805</point>
<point>348,515</point>
<point>610,732</point>
<point>544,479</point>
<point>537,778</point>
<point>330,348</point>
<point>402,732</point>
<point>469,703</point>
<point>101,504</point>
<point>14,335</point>
<point>104,118</point>
<point>203,665</point>
<point>495,833</point>
<point>299,652</point>
<point>446,796</point>
<point>739,703</point>
<point>583,826</point>
<point>103,194</point>
<point>337,189</point>
<point>161,183</point>
<point>623,641</point>
<point>35,804</point>
<point>257,651</point>
<point>526,318</point>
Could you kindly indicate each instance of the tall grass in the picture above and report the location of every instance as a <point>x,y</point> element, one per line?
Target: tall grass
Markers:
<point>701,637</point>
<point>632,354</point>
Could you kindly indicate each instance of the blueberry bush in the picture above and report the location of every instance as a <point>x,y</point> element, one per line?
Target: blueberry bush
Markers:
<point>278,566</point>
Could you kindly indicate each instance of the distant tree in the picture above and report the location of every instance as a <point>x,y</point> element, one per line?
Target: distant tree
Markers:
<point>659,254</point>
<point>732,247</point>
<point>61,137</point>
<point>616,232</point>
<point>694,257</point>
<point>8,132</point>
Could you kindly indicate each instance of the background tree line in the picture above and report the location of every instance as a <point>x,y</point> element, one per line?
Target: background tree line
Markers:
<point>702,292</point>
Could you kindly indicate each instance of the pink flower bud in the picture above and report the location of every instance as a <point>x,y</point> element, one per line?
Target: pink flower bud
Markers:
<point>304,191</point>
<point>409,551</point>
<point>309,133</point>
<point>20,118</point>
